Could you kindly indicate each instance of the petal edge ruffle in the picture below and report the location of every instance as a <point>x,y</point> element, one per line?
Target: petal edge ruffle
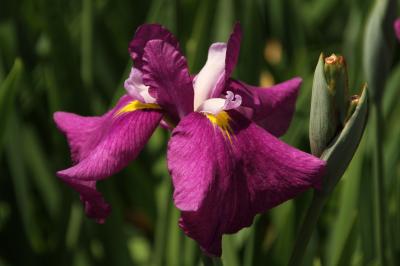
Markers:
<point>144,34</point>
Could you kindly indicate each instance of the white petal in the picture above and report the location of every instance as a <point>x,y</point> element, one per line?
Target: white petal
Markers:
<point>147,97</point>
<point>210,74</point>
<point>135,87</point>
<point>216,105</point>
<point>212,106</point>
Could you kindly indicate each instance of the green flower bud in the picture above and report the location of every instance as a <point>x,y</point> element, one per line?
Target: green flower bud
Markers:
<point>341,150</point>
<point>336,77</point>
<point>337,121</point>
<point>329,102</point>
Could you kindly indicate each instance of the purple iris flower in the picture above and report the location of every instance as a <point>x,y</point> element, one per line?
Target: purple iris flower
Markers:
<point>226,161</point>
<point>396,26</point>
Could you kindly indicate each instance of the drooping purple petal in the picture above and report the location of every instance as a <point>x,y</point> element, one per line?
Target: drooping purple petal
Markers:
<point>222,181</point>
<point>396,26</point>
<point>145,33</point>
<point>273,107</point>
<point>95,205</point>
<point>102,146</point>
<point>165,71</point>
<point>84,132</point>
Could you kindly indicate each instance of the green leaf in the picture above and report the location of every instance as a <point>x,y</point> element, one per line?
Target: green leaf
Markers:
<point>340,231</point>
<point>112,232</point>
<point>197,45</point>
<point>378,46</point>
<point>45,181</point>
<point>392,92</point>
<point>323,116</point>
<point>190,251</point>
<point>87,44</point>
<point>283,218</point>
<point>163,202</point>
<point>174,247</point>
<point>229,254</point>
<point>224,19</point>
<point>8,89</point>
<point>22,186</point>
<point>74,225</point>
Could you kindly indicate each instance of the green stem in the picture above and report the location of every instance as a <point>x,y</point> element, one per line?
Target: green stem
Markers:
<point>164,212</point>
<point>210,261</point>
<point>249,248</point>
<point>378,188</point>
<point>207,261</point>
<point>307,228</point>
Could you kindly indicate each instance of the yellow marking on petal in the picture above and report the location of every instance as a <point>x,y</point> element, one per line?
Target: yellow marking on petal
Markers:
<point>136,105</point>
<point>222,120</point>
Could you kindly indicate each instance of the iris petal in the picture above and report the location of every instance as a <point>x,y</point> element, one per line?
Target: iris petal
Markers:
<point>165,71</point>
<point>144,34</point>
<point>272,108</point>
<point>102,146</point>
<point>221,184</point>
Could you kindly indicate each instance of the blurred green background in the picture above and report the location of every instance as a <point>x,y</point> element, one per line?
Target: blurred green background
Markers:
<point>72,56</point>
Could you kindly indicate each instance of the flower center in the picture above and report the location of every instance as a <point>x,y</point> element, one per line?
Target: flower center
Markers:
<point>232,101</point>
<point>216,105</point>
<point>222,121</point>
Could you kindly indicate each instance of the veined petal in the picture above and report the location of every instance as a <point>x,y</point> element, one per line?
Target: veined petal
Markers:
<point>84,132</point>
<point>221,183</point>
<point>145,33</point>
<point>232,53</point>
<point>273,107</point>
<point>102,146</point>
<point>165,72</point>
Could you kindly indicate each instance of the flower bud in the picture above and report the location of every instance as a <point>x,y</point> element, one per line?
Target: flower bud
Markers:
<point>337,121</point>
<point>336,77</point>
<point>341,150</point>
<point>329,102</point>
